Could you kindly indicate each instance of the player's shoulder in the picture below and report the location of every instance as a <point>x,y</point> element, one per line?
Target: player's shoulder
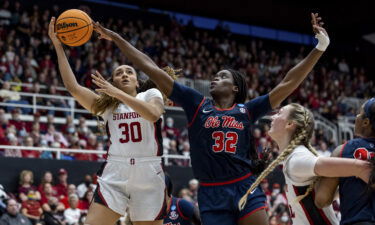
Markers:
<point>354,143</point>
<point>301,149</point>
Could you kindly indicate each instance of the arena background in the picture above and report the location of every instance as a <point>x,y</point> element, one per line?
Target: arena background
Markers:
<point>279,25</point>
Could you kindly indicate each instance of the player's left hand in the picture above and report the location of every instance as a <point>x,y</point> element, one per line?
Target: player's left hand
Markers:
<point>320,33</point>
<point>104,86</point>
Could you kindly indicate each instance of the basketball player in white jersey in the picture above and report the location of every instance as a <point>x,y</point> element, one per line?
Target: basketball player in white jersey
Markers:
<point>132,178</point>
<point>292,128</point>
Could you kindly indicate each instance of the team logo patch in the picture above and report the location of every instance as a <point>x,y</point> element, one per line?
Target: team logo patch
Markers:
<point>242,110</point>
<point>173,215</point>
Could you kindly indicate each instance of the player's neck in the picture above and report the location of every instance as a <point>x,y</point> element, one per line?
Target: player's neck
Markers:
<point>283,143</point>
<point>223,102</point>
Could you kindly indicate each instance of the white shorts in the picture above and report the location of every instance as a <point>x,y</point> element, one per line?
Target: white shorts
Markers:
<point>136,184</point>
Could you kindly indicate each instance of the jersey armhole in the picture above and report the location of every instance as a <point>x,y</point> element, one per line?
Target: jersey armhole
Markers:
<point>342,149</point>
<point>196,112</point>
<point>179,210</point>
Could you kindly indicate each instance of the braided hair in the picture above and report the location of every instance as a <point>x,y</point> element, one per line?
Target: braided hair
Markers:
<point>304,120</point>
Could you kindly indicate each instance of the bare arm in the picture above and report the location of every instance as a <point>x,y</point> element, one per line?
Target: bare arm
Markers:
<point>339,167</point>
<point>325,188</point>
<point>298,73</point>
<point>151,110</point>
<point>83,95</point>
<point>139,59</point>
<point>196,217</point>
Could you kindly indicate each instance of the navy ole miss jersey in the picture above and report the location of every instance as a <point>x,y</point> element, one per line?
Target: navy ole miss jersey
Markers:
<point>219,138</point>
<point>181,212</point>
<point>356,202</point>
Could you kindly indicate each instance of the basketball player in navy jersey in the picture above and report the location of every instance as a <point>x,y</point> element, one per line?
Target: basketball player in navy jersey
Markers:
<point>357,202</point>
<point>222,153</point>
<point>180,211</point>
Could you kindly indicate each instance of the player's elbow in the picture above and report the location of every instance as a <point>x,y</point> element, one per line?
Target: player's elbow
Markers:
<point>322,201</point>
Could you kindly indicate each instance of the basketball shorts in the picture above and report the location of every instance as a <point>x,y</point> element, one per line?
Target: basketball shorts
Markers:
<point>135,185</point>
<point>218,202</point>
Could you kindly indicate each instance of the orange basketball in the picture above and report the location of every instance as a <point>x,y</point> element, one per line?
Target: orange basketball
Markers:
<point>74,27</point>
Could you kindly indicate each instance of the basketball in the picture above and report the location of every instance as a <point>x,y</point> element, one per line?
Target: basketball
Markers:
<point>74,27</point>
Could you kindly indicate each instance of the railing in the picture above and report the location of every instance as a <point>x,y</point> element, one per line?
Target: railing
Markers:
<point>346,128</point>
<point>31,85</point>
<point>329,128</point>
<point>70,101</point>
<point>60,151</point>
<point>203,86</point>
<point>354,103</point>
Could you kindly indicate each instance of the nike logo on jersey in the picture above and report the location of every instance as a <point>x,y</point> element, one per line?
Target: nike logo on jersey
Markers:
<point>206,111</point>
<point>253,191</point>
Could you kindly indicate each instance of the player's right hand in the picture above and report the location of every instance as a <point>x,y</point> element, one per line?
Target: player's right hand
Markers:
<point>104,33</point>
<point>52,33</point>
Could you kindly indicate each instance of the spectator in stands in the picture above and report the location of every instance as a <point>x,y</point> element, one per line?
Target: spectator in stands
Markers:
<point>72,189</point>
<point>86,200</point>
<point>323,149</point>
<point>13,216</point>
<point>193,188</point>
<point>171,131</point>
<point>56,215</point>
<point>85,186</point>
<point>62,186</point>
<point>31,208</point>
<point>46,178</point>
<point>56,102</point>
<point>26,184</point>
<point>9,152</point>
<point>72,214</point>
<point>47,194</point>
<point>3,198</point>
<point>29,142</point>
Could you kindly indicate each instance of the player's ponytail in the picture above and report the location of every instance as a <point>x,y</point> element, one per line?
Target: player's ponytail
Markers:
<point>239,80</point>
<point>304,120</point>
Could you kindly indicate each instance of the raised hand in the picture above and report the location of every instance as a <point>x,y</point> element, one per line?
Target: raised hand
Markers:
<point>51,32</point>
<point>317,23</point>
<point>104,86</point>
<point>320,33</point>
<point>104,33</point>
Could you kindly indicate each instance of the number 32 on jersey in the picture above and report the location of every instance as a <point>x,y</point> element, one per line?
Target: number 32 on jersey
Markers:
<point>225,141</point>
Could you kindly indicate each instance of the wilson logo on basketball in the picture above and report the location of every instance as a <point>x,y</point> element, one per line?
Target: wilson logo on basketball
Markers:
<point>66,25</point>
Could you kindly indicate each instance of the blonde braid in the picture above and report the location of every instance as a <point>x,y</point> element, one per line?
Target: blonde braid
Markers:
<point>313,151</point>
<point>293,144</point>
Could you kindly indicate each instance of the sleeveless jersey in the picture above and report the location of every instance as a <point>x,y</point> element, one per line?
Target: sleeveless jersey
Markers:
<point>180,212</point>
<point>356,202</point>
<point>298,171</point>
<point>129,134</point>
<point>220,139</point>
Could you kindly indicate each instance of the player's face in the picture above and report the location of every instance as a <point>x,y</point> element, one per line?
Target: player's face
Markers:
<point>125,78</point>
<point>359,127</point>
<point>279,123</point>
<point>222,83</point>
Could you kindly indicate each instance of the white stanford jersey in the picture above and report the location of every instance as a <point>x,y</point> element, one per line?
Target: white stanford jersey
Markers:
<point>130,135</point>
<point>299,173</point>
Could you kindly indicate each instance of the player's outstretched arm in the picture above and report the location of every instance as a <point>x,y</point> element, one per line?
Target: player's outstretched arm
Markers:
<point>326,187</point>
<point>139,59</point>
<point>83,95</point>
<point>150,110</point>
<point>298,73</point>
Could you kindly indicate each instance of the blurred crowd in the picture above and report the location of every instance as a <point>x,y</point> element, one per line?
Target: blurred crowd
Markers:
<point>55,201</point>
<point>27,57</point>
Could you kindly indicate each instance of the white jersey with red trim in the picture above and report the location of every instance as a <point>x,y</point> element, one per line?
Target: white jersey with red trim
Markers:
<point>131,135</point>
<point>299,173</point>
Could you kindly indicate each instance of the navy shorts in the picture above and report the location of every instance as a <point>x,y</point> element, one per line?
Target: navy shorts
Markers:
<point>218,202</point>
